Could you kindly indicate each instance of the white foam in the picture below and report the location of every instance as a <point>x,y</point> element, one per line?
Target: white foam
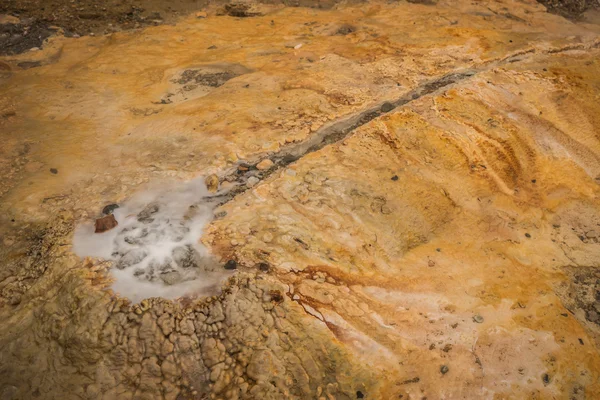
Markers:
<point>155,248</point>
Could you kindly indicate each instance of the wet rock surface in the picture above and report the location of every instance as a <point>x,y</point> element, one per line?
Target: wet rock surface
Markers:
<point>404,209</point>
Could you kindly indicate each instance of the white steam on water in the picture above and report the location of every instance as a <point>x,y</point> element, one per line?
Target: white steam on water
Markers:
<point>155,247</point>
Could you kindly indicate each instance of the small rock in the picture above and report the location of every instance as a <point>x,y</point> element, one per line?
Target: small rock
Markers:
<point>252,181</point>
<point>395,177</point>
<point>444,369</point>
<point>359,394</point>
<point>201,14</point>
<point>230,265</point>
<point>220,214</point>
<point>387,107</point>
<point>546,379</point>
<point>105,223</point>
<point>212,47</point>
<point>264,267</point>
<point>212,183</point>
<point>592,316</point>
<point>478,318</point>
<point>109,209</point>
<point>264,164</point>
<point>54,171</point>
<point>527,235</point>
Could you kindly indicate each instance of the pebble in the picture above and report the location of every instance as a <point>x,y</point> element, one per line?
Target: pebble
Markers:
<point>444,369</point>
<point>252,181</point>
<point>264,267</point>
<point>53,171</point>
<point>395,177</point>
<point>546,379</point>
<point>231,264</point>
<point>387,107</point>
<point>212,183</point>
<point>264,164</point>
<point>478,318</point>
<point>105,224</point>
<point>109,209</point>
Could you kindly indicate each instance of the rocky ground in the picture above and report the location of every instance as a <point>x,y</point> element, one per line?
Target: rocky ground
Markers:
<point>408,204</point>
<point>25,24</point>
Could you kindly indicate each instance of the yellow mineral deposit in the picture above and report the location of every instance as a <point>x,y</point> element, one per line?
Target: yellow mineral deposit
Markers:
<point>379,201</point>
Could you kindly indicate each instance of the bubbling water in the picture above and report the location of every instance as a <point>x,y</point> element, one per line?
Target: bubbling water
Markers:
<point>155,248</point>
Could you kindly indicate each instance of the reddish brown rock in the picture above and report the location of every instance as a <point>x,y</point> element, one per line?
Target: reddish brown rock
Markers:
<point>105,223</point>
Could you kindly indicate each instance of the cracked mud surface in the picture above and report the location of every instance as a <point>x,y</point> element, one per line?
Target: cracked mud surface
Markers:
<point>410,195</point>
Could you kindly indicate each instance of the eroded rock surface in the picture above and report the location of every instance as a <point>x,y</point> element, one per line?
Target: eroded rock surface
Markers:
<point>409,195</point>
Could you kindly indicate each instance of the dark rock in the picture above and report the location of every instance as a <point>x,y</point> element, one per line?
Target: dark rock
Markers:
<point>478,318</point>
<point>345,29</point>
<point>109,209</point>
<point>18,38</point>
<point>105,223</point>
<point>568,8</point>
<point>395,177</point>
<point>53,171</point>
<point>359,394</point>
<point>212,47</point>
<point>546,379</point>
<point>444,369</point>
<point>264,267</point>
<point>230,265</point>
<point>276,296</point>
<point>240,10</point>
<point>527,235</point>
<point>387,107</point>
<point>413,380</point>
<point>220,214</point>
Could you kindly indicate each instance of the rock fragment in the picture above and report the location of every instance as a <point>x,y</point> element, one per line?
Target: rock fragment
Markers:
<point>108,209</point>
<point>264,164</point>
<point>105,224</point>
<point>212,183</point>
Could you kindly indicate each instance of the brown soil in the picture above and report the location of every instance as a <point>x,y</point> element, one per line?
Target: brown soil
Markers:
<point>38,19</point>
<point>83,17</point>
<point>570,8</point>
